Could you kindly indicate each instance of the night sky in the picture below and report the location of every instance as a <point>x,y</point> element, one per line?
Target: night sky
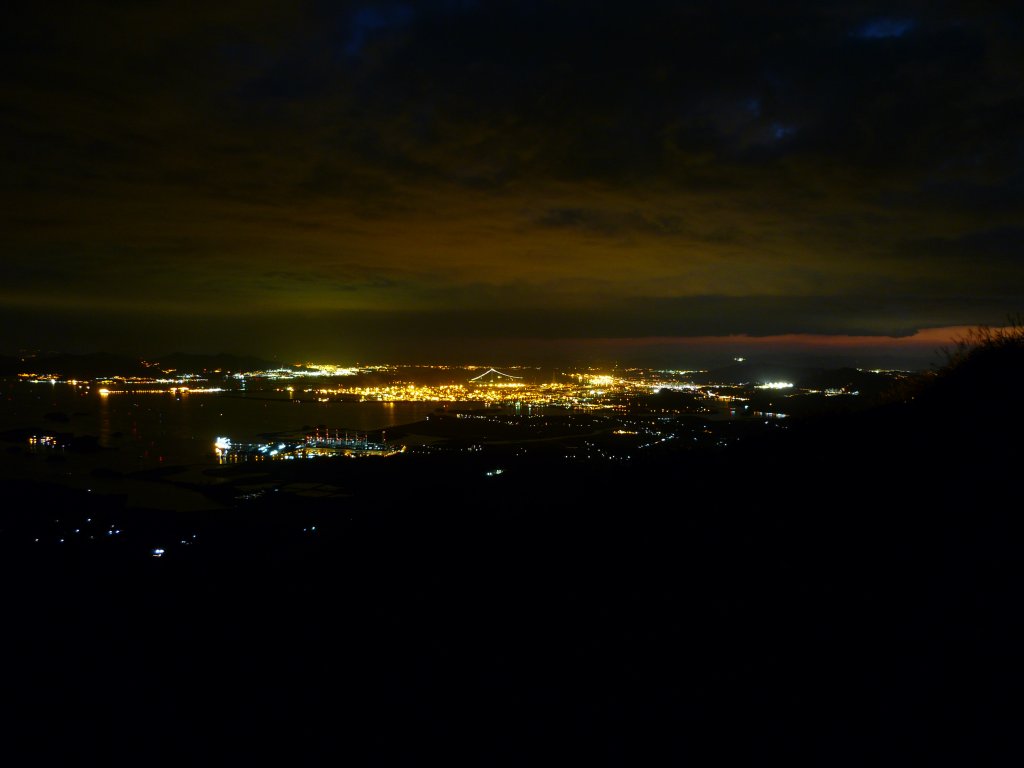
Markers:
<point>471,181</point>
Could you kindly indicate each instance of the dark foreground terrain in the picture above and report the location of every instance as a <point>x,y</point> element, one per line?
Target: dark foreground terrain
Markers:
<point>847,593</point>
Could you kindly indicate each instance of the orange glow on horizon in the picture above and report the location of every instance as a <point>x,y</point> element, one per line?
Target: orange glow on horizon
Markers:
<point>923,339</point>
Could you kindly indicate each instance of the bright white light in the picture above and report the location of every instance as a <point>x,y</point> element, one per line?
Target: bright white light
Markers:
<point>775,385</point>
<point>222,444</point>
<point>158,553</point>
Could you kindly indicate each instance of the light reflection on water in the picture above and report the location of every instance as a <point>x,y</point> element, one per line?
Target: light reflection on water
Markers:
<point>149,429</point>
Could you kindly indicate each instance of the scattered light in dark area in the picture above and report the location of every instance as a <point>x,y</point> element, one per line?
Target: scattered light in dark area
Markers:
<point>496,382</point>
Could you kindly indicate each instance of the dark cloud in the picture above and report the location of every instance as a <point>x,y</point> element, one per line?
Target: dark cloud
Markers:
<point>995,258</point>
<point>611,222</point>
<point>884,27</point>
<point>556,169</point>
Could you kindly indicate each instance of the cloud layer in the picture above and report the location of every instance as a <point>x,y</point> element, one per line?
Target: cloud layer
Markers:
<point>398,172</point>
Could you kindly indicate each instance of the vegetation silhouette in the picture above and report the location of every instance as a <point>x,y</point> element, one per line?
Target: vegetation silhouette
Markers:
<point>985,357</point>
<point>841,593</point>
<point>986,340</point>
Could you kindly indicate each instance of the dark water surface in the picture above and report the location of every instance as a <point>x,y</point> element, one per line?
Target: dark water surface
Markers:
<point>149,429</point>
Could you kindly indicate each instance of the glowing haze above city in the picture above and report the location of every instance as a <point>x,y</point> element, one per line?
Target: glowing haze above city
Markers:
<point>511,181</point>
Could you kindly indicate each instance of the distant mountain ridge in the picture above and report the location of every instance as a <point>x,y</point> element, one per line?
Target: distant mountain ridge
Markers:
<point>184,361</point>
<point>100,364</point>
<point>747,372</point>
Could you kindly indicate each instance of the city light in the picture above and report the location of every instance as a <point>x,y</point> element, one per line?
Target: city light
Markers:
<point>638,406</point>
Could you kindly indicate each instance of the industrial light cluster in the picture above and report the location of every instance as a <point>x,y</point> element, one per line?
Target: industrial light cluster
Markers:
<point>318,444</point>
<point>574,388</point>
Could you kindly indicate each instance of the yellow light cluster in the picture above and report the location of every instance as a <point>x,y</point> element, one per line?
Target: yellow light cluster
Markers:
<point>105,391</point>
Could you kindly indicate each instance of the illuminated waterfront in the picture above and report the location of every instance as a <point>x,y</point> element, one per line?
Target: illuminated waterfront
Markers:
<point>173,417</point>
<point>322,443</point>
<point>138,430</point>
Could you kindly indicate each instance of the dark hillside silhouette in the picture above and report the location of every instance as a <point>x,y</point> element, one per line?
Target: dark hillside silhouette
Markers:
<point>846,593</point>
